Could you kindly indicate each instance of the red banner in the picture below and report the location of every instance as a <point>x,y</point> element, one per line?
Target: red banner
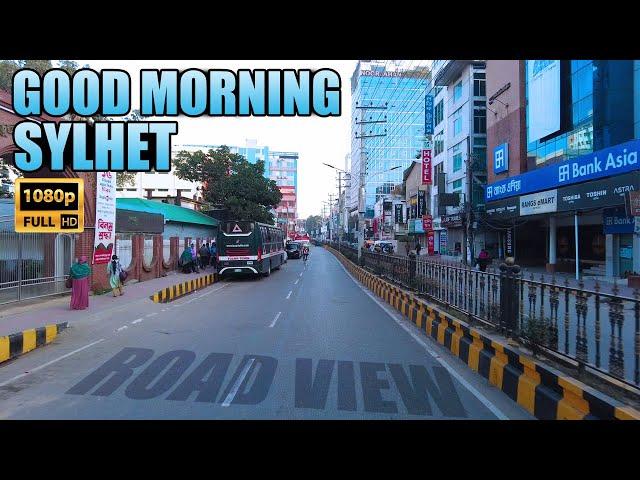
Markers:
<point>427,223</point>
<point>430,243</point>
<point>426,167</point>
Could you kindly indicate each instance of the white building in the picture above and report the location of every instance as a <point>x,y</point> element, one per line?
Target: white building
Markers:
<point>465,139</point>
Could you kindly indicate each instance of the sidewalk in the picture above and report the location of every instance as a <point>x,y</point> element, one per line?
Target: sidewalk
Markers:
<point>21,316</point>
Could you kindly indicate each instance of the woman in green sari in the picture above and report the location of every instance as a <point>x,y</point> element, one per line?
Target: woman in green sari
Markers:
<point>79,274</point>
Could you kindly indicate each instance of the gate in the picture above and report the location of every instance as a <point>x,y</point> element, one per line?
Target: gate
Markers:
<point>32,264</point>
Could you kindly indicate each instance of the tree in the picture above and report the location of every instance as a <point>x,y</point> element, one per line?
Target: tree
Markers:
<point>312,223</point>
<point>231,182</point>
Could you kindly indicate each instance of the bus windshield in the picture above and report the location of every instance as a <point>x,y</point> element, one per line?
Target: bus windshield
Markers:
<point>235,227</point>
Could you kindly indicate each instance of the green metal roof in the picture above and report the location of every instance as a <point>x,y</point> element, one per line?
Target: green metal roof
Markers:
<point>171,213</point>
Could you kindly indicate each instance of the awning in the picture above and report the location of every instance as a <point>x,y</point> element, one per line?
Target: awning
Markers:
<point>171,213</point>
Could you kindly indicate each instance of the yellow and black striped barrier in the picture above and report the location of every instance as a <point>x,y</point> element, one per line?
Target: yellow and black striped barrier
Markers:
<point>543,391</point>
<point>16,344</point>
<point>174,292</point>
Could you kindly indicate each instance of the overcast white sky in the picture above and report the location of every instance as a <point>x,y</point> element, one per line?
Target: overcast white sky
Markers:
<point>316,139</point>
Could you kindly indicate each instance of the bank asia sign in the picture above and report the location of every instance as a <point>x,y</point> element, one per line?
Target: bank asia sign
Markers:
<point>611,161</point>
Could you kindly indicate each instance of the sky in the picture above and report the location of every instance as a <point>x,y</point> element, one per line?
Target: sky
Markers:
<point>316,139</point>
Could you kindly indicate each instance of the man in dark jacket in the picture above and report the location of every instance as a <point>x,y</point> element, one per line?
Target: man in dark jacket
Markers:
<point>205,255</point>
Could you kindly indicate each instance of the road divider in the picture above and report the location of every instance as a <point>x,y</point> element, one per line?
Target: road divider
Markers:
<point>16,344</point>
<point>543,391</point>
<point>174,292</point>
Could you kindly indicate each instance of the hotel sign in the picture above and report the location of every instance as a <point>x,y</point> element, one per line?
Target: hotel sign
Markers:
<point>374,73</point>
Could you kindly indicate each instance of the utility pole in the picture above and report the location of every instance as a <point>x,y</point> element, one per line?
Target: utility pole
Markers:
<point>340,229</point>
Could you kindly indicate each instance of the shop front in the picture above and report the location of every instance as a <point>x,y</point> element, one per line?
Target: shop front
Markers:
<point>586,228</point>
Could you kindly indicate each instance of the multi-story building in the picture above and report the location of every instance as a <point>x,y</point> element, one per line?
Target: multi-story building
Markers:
<point>563,158</point>
<point>440,165</point>
<point>465,139</point>
<point>281,167</point>
<point>387,126</point>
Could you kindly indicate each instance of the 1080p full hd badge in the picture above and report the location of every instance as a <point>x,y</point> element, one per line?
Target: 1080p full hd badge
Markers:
<point>51,205</point>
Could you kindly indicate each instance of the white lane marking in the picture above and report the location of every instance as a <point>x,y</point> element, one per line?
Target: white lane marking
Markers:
<point>137,320</point>
<point>296,282</point>
<point>203,295</point>
<point>289,294</point>
<point>234,390</point>
<point>50,363</point>
<point>122,328</point>
<point>165,309</point>
<point>151,314</point>
<point>484,400</point>
<point>275,320</point>
<point>301,273</point>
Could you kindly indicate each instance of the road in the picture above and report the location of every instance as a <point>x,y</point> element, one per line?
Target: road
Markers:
<point>306,343</point>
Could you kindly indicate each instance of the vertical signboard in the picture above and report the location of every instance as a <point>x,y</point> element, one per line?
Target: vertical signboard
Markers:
<point>428,115</point>
<point>422,203</point>
<point>543,93</point>
<point>398,210</point>
<point>430,243</point>
<point>509,243</point>
<point>427,223</point>
<point>105,226</point>
<point>443,242</point>
<point>426,167</point>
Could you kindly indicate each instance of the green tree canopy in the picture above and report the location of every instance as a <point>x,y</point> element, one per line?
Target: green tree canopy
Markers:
<point>313,222</point>
<point>230,181</point>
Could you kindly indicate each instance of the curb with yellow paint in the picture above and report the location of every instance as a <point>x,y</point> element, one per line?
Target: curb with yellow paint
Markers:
<point>543,391</point>
<point>169,294</point>
<point>16,344</point>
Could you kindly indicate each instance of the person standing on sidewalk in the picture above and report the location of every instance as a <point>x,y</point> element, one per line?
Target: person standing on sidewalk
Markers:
<point>114,270</point>
<point>205,256</point>
<point>418,248</point>
<point>213,249</point>
<point>79,274</point>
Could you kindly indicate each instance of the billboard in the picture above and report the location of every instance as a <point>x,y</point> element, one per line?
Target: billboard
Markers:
<point>543,98</point>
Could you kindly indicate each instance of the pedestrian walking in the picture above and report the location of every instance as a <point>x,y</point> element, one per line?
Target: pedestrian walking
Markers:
<point>418,248</point>
<point>483,260</point>
<point>79,275</point>
<point>117,275</point>
<point>186,260</point>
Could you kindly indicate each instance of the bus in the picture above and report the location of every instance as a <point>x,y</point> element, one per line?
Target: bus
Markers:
<point>250,247</point>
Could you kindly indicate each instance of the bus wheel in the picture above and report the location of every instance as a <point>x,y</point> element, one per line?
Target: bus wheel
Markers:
<point>268,272</point>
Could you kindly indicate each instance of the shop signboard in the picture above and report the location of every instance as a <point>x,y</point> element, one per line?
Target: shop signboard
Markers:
<point>507,208</point>
<point>608,162</point>
<point>422,203</point>
<point>427,223</point>
<point>616,221</point>
<point>541,202</point>
<point>450,221</point>
<point>430,243</point>
<point>443,241</point>
<point>602,193</point>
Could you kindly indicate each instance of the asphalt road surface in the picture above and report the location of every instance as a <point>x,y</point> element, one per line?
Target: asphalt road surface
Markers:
<point>306,343</point>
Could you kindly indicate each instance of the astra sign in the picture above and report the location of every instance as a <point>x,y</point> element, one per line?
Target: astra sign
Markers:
<point>611,161</point>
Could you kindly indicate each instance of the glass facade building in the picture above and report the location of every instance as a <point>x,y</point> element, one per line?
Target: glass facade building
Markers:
<point>387,125</point>
<point>595,113</point>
